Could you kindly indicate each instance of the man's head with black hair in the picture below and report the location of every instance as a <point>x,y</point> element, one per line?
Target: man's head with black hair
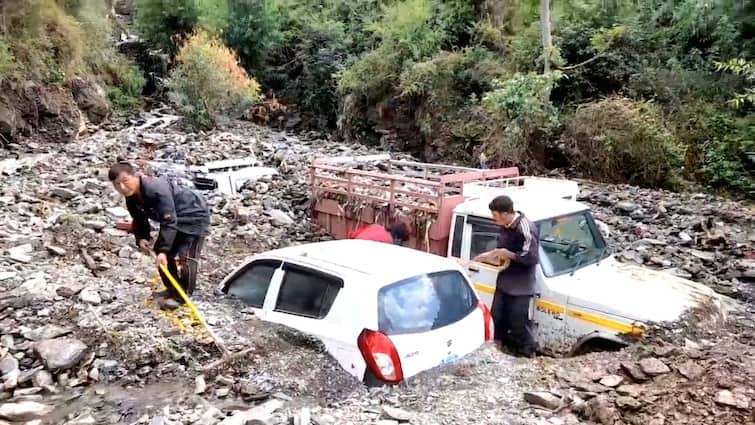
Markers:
<point>124,178</point>
<point>502,209</point>
<point>399,233</point>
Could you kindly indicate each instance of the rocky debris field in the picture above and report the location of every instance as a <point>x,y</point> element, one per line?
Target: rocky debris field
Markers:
<point>81,342</point>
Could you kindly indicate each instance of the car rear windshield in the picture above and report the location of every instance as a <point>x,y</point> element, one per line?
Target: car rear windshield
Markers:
<point>424,303</point>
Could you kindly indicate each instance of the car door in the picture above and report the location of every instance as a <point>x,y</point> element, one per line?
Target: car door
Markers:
<point>309,300</point>
<point>251,283</point>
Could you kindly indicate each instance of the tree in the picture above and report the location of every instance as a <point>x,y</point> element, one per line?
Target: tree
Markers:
<point>747,70</point>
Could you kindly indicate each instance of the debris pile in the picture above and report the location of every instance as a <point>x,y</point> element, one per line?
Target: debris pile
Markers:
<point>82,342</point>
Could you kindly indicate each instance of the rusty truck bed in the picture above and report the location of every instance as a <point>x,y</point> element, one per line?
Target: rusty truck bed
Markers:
<point>351,191</point>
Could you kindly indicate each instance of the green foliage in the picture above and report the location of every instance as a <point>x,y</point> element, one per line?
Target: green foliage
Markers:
<point>621,140</point>
<point>164,22</point>
<point>745,69</point>
<point>254,28</point>
<point>7,60</point>
<point>125,82</point>
<point>207,81</point>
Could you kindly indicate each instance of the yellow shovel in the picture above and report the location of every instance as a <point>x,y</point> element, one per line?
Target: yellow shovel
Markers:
<point>218,342</point>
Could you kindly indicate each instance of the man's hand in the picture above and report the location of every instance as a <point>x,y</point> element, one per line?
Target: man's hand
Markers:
<point>161,260</point>
<point>144,245</point>
<point>505,253</point>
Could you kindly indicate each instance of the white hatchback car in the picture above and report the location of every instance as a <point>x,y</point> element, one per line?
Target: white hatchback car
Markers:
<point>384,312</point>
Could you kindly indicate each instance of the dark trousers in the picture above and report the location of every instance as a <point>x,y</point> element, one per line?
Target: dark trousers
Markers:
<point>184,252</point>
<point>513,327</point>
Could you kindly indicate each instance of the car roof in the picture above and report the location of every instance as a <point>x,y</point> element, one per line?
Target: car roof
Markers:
<point>536,208</point>
<point>350,256</point>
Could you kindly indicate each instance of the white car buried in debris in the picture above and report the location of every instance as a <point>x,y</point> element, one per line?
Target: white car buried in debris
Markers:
<point>384,312</point>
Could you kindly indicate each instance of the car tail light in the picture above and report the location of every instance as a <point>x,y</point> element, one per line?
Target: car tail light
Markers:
<point>381,356</point>
<point>488,319</point>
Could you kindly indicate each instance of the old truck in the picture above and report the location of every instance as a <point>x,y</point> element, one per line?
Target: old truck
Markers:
<point>585,298</point>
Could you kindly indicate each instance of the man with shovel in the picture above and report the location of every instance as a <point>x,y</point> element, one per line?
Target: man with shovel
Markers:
<point>184,219</point>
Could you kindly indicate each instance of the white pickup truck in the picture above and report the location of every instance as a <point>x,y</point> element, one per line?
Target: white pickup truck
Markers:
<point>585,298</point>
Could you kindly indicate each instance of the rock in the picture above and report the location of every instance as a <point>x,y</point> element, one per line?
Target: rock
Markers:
<point>653,367</point>
<point>199,385</point>
<point>46,332</point>
<point>600,410</point>
<point>7,275</point>
<point>68,291</point>
<point>63,193</point>
<point>690,370</point>
<point>222,392</point>
<point>9,371</point>
<point>60,353</point>
<point>24,410</point>
<point>634,371</point>
<point>90,296</point>
<point>685,238</point>
<point>7,341</point>
<point>544,399</point>
<point>117,212</point>
<point>280,218</point>
<point>21,253</point>
<point>735,399</point>
<point>627,207</point>
<point>630,390</point>
<point>612,380</point>
<point>42,379</point>
<point>628,403</point>
<point>95,225</point>
<point>387,422</point>
<point>400,415</point>
<point>91,99</point>
<point>56,250</point>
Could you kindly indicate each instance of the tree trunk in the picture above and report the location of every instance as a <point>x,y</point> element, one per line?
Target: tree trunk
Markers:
<point>545,25</point>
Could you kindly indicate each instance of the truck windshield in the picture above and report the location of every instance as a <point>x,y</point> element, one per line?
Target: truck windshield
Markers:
<point>569,242</point>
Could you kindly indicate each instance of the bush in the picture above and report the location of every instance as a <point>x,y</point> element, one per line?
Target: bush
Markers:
<point>44,41</point>
<point>623,141</point>
<point>125,82</point>
<point>716,141</point>
<point>7,60</point>
<point>207,81</point>
<point>406,36</point>
<point>253,30</point>
<point>162,22</point>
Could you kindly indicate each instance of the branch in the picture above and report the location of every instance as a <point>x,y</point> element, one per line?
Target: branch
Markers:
<point>592,59</point>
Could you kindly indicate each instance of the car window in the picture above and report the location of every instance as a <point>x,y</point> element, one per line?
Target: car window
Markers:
<point>307,292</point>
<point>251,284</point>
<point>484,238</point>
<point>424,303</point>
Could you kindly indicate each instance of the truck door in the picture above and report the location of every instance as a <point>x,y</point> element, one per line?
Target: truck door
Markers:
<point>480,235</point>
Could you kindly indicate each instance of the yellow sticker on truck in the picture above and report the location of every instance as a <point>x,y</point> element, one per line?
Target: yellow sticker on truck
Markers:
<point>557,309</point>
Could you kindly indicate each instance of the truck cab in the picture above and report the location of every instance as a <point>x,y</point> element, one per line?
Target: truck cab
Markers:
<point>584,296</point>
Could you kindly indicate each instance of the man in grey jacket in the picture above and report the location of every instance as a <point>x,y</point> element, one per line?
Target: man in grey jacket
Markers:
<point>184,219</point>
<point>515,286</point>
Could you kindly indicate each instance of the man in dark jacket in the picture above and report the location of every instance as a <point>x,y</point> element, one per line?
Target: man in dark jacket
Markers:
<point>515,286</point>
<point>184,219</point>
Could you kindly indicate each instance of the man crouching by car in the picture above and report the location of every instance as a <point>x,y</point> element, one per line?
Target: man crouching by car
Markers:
<point>184,219</point>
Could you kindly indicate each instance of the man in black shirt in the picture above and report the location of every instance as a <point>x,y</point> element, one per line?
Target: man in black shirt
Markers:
<point>516,284</point>
<point>184,219</point>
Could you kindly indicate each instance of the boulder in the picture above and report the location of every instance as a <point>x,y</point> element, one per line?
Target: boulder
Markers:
<point>91,99</point>
<point>60,353</point>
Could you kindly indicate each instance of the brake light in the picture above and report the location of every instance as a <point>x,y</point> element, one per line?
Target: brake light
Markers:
<point>381,356</point>
<point>488,319</point>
